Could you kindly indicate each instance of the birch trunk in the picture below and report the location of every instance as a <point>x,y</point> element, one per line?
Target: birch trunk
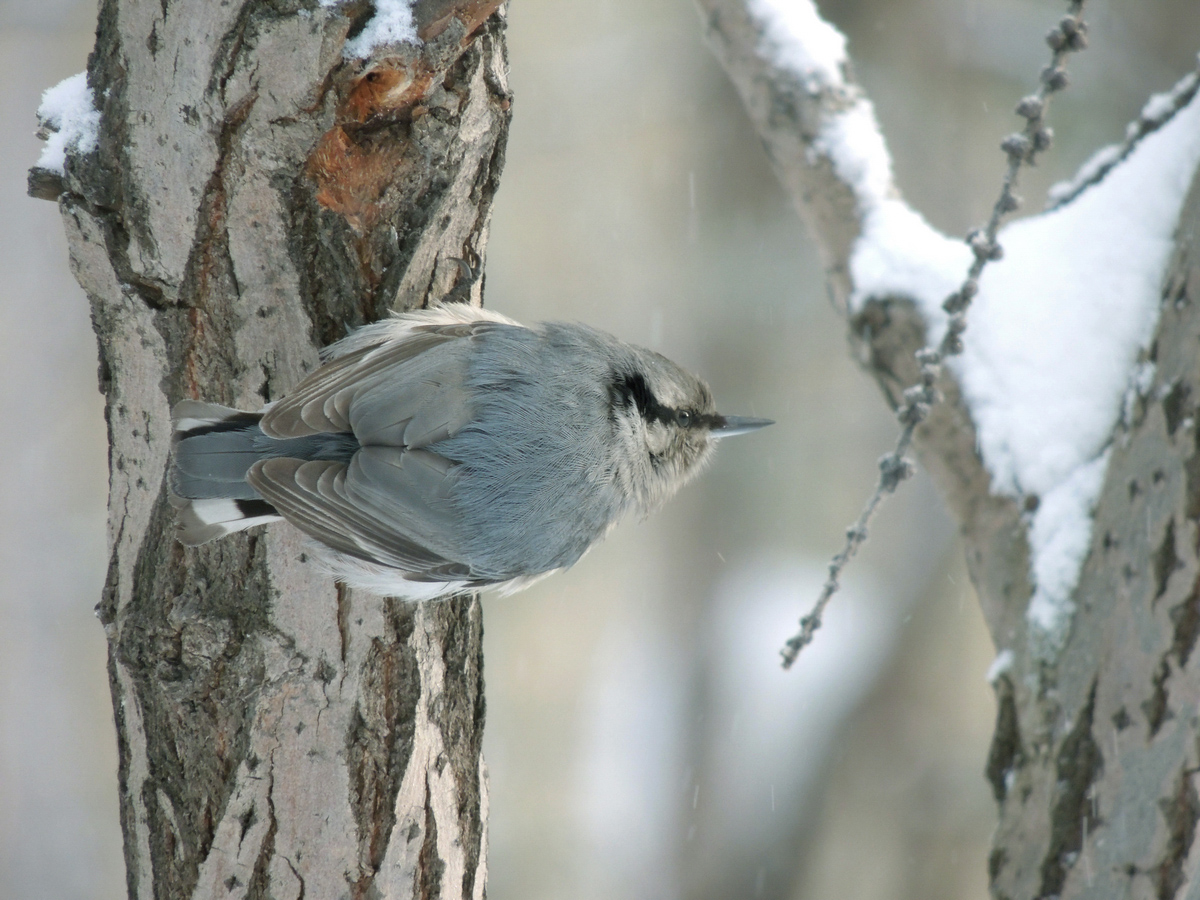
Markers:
<point>253,194</point>
<point>1096,751</point>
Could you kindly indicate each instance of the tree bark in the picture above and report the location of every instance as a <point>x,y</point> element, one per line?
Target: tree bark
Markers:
<point>1096,751</point>
<point>252,196</point>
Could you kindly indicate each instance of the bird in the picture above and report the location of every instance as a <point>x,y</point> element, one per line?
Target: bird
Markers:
<point>450,449</point>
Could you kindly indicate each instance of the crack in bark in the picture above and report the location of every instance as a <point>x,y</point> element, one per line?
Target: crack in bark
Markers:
<point>379,741</point>
<point>1156,708</point>
<point>430,865</point>
<point>259,887</point>
<point>1166,561</point>
<point>1182,812</point>
<point>1005,754</point>
<point>1185,617</point>
<point>459,714</point>
<point>1078,766</point>
<point>186,677</point>
<point>1175,405</point>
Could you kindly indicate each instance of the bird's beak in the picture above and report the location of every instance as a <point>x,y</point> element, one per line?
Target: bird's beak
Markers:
<point>732,425</point>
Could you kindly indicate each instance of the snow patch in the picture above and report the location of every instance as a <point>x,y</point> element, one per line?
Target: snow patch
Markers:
<point>1058,543</point>
<point>1001,665</point>
<point>1103,159</point>
<point>1054,333</point>
<point>854,144</point>
<point>71,121</point>
<point>900,254</point>
<point>1140,381</point>
<point>1160,105</point>
<point>1053,341</point>
<point>795,37</point>
<point>392,23</point>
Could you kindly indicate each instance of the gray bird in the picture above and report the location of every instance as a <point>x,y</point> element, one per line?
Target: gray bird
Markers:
<point>451,449</point>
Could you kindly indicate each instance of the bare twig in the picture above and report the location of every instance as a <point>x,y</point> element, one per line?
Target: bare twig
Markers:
<point>1021,148</point>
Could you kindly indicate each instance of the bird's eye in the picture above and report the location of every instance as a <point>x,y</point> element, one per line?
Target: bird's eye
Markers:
<point>684,418</point>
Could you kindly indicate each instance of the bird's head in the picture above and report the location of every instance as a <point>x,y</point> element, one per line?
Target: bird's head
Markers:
<point>667,423</point>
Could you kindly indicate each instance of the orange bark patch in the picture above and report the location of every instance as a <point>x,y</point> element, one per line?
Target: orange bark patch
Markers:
<point>353,167</point>
<point>471,13</point>
<point>351,176</point>
<point>387,87</point>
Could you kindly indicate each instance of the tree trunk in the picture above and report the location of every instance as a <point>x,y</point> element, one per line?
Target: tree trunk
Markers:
<point>252,196</point>
<point>1096,752</point>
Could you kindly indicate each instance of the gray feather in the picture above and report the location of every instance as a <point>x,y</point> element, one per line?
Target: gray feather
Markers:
<point>385,383</point>
<point>537,485</point>
<point>315,495</point>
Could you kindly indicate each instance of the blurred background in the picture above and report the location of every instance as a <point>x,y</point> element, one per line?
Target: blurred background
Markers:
<point>642,740</point>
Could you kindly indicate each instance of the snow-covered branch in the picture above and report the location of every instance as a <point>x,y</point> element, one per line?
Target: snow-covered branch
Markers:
<point>896,253</point>
<point>1065,445</point>
<point>1056,334</point>
<point>1051,349</point>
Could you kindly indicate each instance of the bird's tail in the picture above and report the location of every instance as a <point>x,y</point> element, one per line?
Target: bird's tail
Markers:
<point>213,450</point>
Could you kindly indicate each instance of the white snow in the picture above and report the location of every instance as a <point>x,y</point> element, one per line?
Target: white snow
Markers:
<point>1141,378</point>
<point>898,252</point>
<point>392,24</point>
<point>68,112</point>
<point>1058,541</point>
<point>1159,105</point>
<point>1104,158</point>
<point>1054,334</point>
<point>1157,110</point>
<point>854,144</point>
<point>1001,665</point>
<point>1052,343</point>
<point>796,37</point>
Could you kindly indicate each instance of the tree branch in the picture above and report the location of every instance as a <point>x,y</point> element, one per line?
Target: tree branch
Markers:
<point>1094,758</point>
<point>820,132</point>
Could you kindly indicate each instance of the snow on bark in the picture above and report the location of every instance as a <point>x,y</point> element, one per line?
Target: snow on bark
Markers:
<point>1054,340</point>
<point>1056,329</point>
<point>797,38</point>
<point>69,120</point>
<point>391,23</point>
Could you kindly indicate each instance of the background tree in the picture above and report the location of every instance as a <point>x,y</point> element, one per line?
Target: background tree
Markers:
<point>1095,754</point>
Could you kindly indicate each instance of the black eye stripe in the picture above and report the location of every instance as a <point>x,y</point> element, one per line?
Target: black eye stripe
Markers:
<point>631,389</point>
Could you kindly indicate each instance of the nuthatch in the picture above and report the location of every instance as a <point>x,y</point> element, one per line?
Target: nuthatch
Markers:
<point>451,449</point>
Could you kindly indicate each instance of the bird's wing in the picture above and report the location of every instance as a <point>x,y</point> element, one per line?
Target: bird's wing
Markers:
<point>402,383</point>
<point>388,505</point>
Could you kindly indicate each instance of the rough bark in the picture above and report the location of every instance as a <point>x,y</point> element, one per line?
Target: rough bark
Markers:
<point>1097,743</point>
<point>253,195</point>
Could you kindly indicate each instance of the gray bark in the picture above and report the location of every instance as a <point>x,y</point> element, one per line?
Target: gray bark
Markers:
<point>253,195</point>
<point>1097,744</point>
